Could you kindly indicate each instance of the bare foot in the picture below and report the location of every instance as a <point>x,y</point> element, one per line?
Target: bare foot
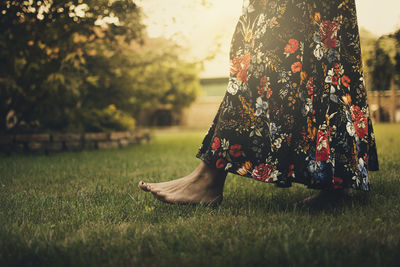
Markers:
<point>204,185</point>
<point>329,195</point>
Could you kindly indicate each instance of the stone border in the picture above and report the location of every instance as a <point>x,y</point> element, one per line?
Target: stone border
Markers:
<point>49,143</point>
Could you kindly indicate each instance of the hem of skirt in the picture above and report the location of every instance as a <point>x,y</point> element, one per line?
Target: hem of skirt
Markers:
<point>202,157</point>
<point>373,169</point>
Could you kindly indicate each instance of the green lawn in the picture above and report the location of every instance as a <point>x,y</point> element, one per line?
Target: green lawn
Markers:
<point>84,209</point>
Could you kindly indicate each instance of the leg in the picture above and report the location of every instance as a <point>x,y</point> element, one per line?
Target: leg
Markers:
<point>204,185</point>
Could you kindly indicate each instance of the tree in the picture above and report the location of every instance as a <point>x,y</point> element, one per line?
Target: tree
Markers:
<point>383,70</point>
<point>382,66</point>
<point>46,48</point>
<point>77,65</point>
<point>396,36</point>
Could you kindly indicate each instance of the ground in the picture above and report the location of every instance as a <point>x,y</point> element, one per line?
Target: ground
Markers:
<point>85,209</point>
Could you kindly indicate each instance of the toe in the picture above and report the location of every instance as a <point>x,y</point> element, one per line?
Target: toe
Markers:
<point>144,186</point>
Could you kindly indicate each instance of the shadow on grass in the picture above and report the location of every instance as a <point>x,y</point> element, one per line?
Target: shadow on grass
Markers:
<point>256,204</point>
<point>292,202</point>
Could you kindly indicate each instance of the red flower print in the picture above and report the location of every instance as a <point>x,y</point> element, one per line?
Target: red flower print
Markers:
<point>346,81</point>
<point>310,86</point>
<point>360,122</point>
<point>361,127</point>
<point>263,81</point>
<point>262,172</point>
<point>328,31</point>
<point>269,93</point>
<point>292,46</point>
<point>246,60</point>
<point>291,172</point>
<point>242,75</point>
<point>356,113</point>
<point>216,144</point>
<point>220,163</point>
<point>239,66</point>
<point>330,43</point>
<point>366,159</point>
<point>337,182</point>
<point>296,67</point>
<point>235,150</point>
<point>335,80</point>
<point>322,153</point>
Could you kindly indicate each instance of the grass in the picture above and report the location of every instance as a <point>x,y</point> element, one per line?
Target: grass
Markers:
<point>84,209</point>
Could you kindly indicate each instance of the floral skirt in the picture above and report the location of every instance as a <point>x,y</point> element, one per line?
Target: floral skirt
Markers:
<point>295,109</point>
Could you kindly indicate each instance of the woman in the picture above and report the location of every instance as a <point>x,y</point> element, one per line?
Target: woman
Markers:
<point>295,109</point>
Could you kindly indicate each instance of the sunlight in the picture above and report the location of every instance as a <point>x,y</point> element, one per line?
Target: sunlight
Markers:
<point>204,28</point>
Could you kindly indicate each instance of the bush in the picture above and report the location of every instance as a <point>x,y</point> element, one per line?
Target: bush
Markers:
<point>107,119</point>
<point>62,66</point>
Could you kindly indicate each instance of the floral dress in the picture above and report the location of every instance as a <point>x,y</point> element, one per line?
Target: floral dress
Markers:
<point>296,108</point>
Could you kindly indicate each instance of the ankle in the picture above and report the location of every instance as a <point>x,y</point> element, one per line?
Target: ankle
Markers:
<point>211,170</point>
<point>211,179</point>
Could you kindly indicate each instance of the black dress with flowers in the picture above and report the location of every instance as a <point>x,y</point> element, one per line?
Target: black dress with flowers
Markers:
<point>296,108</point>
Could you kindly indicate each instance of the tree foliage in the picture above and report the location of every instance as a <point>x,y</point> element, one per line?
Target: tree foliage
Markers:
<point>382,70</point>
<point>382,59</point>
<point>396,36</point>
<point>80,65</point>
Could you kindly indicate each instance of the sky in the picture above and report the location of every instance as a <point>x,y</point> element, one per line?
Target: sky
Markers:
<point>208,29</point>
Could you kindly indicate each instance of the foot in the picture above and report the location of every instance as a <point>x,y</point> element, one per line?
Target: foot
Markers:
<point>204,185</point>
<point>329,196</point>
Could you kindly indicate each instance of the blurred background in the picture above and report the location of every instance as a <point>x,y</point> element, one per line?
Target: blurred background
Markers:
<point>101,65</point>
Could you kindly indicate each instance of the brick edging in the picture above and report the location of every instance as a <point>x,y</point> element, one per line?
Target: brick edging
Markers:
<point>47,143</point>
